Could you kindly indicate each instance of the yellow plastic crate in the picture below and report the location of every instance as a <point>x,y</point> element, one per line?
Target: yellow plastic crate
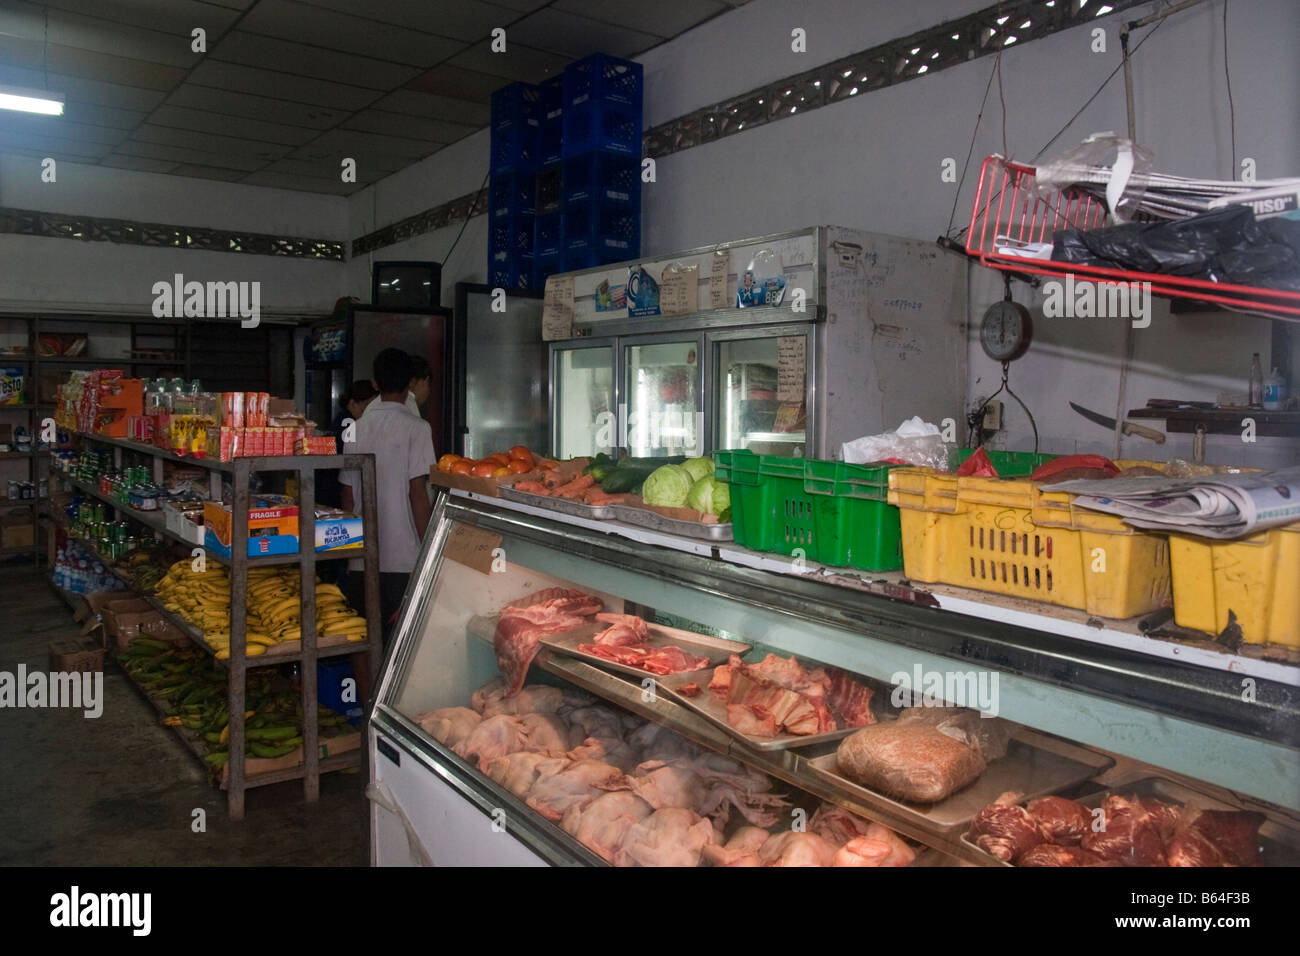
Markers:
<point>1257,579</point>
<point>1008,536</point>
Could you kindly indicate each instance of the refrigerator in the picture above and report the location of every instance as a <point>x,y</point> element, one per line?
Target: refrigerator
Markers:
<point>790,344</point>
<point>327,368</point>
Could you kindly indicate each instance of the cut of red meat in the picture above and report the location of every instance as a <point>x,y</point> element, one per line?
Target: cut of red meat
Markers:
<point>1216,838</point>
<point>1063,821</point>
<point>656,660</point>
<point>1005,829</point>
<point>1045,854</point>
<point>1131,834</point>
<point>626,629</point>
<point>521,628</point>
<point>795,712</point>
<point>720,685</point>
<point>849,700</point>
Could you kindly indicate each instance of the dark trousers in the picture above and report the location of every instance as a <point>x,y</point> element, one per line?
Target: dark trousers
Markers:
<point>392,585</point>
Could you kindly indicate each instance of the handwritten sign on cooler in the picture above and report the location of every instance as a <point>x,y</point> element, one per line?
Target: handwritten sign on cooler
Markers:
<point>791,363</point>
<point>472,547</point>
<point>557,309</point>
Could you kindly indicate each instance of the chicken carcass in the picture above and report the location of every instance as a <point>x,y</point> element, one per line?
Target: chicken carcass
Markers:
<point>657,742</point>
<point>1005,829</point>
<point>668,837</point>
<point>607,750</point>
<point>517,772</point>
<point>797,849</point>
<point>449,725</point>
<point>490,700</point>
<point>836,825</point>
<point>732,784</point>
<point>492,738</point>
<point>576,785</point>
<point>741,850</point>
<point>602,824</point>
<point>546,733</point>
<point>663,784</point>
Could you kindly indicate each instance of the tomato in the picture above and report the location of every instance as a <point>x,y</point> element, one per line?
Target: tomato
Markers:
<point>522,454</point>
<point>518,467</point>
<point>446,461</point>
<point>500,471</point>
<point>498,458</point>
<point>483,469</point>
<point>462,467</point>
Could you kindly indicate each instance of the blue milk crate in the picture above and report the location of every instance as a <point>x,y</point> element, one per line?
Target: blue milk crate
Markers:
<point>551,132</point>
<point>512,234</point>
<point>600,125</point>
<point>603,78</point>
<point>547,188</point>
<point>512,194</point>
<point>330,675</point>
<point>516,111</point>
<point>608,228</point>
<point>585,257</point>
<point>510,270</point>
<point>602,177</point>
<point>548,234</point>
<point>546,265</point>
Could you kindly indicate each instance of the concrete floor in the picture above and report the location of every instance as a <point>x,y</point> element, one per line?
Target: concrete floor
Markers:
<point>121,790</point>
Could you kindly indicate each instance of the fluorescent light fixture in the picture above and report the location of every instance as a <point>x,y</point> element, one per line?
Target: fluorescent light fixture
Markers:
<point>31,101</point>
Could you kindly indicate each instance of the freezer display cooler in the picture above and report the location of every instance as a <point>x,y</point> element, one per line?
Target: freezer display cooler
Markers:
<point>558,696</point>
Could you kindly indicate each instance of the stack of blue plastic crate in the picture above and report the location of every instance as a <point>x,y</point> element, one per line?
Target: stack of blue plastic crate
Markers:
<point>601,162</point>
<point>548,243</point>
<point>512,191</point>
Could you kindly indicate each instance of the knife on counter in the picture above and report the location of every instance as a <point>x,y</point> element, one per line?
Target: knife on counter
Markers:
<point>1128,428</point>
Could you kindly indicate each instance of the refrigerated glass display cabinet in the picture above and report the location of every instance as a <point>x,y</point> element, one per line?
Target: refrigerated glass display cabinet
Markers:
<point>598,759</point>
<point>789,344</point>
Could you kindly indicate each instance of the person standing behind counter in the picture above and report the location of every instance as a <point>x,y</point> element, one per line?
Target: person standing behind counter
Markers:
<point>417,392</point>
<point>403,448</point>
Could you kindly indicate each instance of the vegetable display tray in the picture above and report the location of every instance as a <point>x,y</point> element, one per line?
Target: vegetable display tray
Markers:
<point>657,522</point>
<point>563,505</point>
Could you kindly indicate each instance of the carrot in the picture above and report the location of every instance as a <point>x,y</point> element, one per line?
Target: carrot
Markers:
<point>575,488</point>
<point>533,487</point>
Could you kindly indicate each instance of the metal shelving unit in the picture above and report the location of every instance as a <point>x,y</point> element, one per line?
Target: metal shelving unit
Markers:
<point>240,470</point>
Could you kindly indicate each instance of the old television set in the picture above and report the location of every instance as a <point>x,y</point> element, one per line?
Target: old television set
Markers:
<point>406,285</point>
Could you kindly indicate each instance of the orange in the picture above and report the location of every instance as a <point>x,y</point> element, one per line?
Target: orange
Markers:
<point>500,471</point>
<point>522,453</point>
<point>446,461</point>
<point>462,467</point>
<point>483,469</point>
<point>499,458</point>
<point>518,467</point>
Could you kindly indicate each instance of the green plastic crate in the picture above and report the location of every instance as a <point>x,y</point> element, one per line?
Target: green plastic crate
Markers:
<point>835,513</point>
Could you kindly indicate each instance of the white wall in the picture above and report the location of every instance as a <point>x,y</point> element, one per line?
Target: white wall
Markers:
<point>874,162</point>
<point>61,274</point>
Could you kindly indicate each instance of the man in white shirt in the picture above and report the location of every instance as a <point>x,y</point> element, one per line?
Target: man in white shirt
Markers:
<point>403,450</point>
<point>418,390</point>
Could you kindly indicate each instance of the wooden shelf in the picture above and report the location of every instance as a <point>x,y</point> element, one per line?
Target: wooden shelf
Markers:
<point>1223,421</point>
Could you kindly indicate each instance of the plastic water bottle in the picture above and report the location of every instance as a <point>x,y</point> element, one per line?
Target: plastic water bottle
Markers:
<point>1274,391</point>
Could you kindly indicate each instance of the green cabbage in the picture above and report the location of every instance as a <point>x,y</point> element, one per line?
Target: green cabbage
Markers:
<point>699,467</point>
<point>710,496</point>
<point>667,486</point>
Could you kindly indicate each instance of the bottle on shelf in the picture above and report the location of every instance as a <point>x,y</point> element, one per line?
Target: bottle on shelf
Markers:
<point>1274,391</point>
<point>1256,382</point>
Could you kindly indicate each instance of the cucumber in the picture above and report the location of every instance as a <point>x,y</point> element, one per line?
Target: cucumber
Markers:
<point>622,479</point>
<point>271,733</point>
<point>271,750</point>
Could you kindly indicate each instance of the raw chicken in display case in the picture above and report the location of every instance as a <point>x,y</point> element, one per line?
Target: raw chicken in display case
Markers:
<point>732,732</point>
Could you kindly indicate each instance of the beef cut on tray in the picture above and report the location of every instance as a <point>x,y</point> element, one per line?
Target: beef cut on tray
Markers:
<point>521,628</point>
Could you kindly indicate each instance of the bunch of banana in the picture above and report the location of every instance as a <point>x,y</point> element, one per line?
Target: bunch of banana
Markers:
<point>334,617</point>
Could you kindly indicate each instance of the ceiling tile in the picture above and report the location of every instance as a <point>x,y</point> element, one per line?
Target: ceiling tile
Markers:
<point>168,16</point>
<point>384,152</point>
<point>575,36</point>
<point>224,102</point>
<point>179,117</point>
<point>21,124</point>
<point>16,51</point>
<point>209,142</point>
<point>443,107</point>
<point>180,155</point>
<point>664,18</point>
<point>519,62</point>
<point>526,6</point>
<point>399,124</point>
<point>250,49</point>
<point>340,31</point>
<point>467,20</point>
<point>246,79</point>
<point>95,115</point>
<point>300,183</point>
<point>21,18</point>
<point>208,172</point>
<point>86,91</point>
<point>456,83</point>
<point>138,163</point>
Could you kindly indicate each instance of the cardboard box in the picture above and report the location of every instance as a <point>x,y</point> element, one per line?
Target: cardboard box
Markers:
<point>11,385</point>
<point>181,522</point>
<point>75,656</point>
<point>151,623</point>
<point>340,532</point>
<point>17,532</point>
<point>329,747</point>
<point>272,529</point>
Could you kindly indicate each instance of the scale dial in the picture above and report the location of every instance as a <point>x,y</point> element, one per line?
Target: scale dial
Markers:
<point>1005,331</point>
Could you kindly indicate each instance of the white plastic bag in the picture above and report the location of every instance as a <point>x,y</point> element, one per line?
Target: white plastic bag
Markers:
<point>916,442</point>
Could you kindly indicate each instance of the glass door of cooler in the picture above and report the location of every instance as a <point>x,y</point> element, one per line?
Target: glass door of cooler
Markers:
<point>662,395</point>
<point>762,389</point>
<point>584,417</point>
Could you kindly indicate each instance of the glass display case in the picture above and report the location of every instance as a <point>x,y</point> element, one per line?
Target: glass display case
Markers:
<point>559,695</point>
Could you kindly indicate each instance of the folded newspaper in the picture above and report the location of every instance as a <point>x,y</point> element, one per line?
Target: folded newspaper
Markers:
<point>1214,506</point>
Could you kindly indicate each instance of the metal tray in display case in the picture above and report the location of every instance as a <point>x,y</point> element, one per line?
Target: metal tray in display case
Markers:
<point>563,505</point>
<point>716,649</point>
<point>657,522</point>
